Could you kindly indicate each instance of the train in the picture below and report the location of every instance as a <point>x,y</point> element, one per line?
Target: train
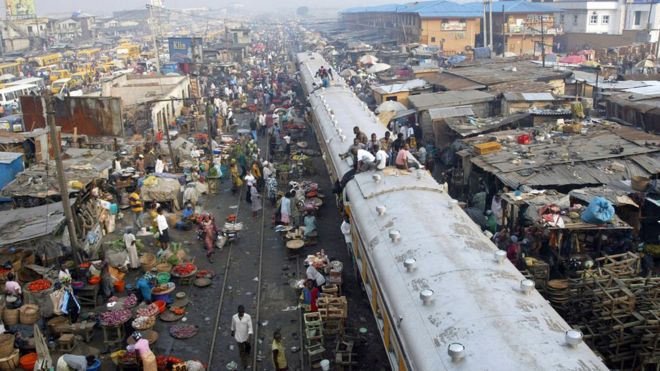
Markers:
<point>442,295</point>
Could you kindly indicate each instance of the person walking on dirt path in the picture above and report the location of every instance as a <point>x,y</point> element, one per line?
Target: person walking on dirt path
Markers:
<point>279,352</point>
<point>241,330</point>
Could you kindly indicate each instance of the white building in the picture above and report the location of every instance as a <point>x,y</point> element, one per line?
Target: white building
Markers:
<point>599,17</point>
<point>643,15</point>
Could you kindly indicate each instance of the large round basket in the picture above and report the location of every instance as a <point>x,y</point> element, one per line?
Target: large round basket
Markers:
<point>10,316</point>
<point>150,335</point>
<point>6,344</point>
<point>29,314</point>
<point>10,363</point>
<point>148,325</point>
<point>147,261</point>
<point>164,267</point>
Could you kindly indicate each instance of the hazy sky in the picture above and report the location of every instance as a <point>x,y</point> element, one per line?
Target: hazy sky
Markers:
<point>98,6</point>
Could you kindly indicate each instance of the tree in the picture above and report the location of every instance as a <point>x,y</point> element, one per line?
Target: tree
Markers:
<point>302,11</point>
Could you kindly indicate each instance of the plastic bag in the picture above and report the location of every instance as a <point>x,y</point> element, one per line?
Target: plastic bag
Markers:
<point>599,211</point>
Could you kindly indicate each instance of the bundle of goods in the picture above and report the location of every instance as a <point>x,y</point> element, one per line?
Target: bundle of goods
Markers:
<point>128,302</point>
<point>115,318</point>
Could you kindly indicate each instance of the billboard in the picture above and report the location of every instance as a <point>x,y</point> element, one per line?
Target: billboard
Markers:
<point>185,49</point>
<point>20,8</point>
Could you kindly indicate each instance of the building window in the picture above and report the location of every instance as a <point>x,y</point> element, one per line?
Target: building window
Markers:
<point>605,19</point>
<point>575,20</point>
<point>593,19</point>
<point>638,18</point>
<point>561,19</point>
<point>432,39</point>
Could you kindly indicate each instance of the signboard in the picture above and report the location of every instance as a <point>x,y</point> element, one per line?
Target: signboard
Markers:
<point>453,26</point>
<point>185,49</point>
<point>20,8</point>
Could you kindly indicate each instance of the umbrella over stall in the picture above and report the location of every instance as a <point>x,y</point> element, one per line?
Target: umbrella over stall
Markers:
<point>379,67</point>
<point>390,106</point>
<point>347,73</point>
<point>368,59</point>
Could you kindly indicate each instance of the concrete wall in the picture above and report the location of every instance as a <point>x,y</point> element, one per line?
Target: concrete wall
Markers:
<point>579,41</point>
<point>637,18</point>
<point>446,32</point>
<point>162,112</point>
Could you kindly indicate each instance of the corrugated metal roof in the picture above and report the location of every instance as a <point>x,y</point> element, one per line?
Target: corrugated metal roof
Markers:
<point>449,99</point>
<point>447,112</point>
<point>402,87</point>
<point>453,82</point>
<point>25,224</point>
<point>523,7</point>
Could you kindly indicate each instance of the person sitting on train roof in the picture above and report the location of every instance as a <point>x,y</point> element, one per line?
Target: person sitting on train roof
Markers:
<point>371,143</point>
<point>404,160</point>
<point>360,135</point>
<point>365,160</point>
<point>356,145</point>
<point>381,158</point>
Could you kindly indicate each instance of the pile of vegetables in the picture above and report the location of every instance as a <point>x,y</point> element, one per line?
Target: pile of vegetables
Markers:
<point>178,311</point>
<point>128,302</point>
<point>163,362</point>
<point>39,285</point>
<point>183,331</point>
<point>148,311</point>
<point>184,269</point>
<point>115,317</point>
<point>128,358</point>
<point>143,323</point>
<point>119,245</point>
<point>204,273</point>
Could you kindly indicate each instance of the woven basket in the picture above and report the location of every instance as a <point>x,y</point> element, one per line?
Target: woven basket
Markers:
<point>6,345</point>
<point>10,363</point>
<point>29,314</point>
<point>148,261</point>
<point>10,316</point>
<point>164,267</point>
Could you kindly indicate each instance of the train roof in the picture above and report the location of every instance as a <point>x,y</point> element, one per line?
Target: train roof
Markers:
<point>476,301</point>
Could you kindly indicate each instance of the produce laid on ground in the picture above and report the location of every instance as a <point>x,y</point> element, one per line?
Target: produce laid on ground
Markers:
<point>178,311</point>
<point>128,358</point>
<point>115,317</point>
<point>143,323</point>
<point>148,311</point>
<point>128,301</point>
<point>183,331</point>
<point>163,361</point>
<point>184,269</point>
<point>39,285</point>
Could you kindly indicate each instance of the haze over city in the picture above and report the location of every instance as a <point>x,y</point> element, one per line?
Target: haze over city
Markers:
<point>49,6</point>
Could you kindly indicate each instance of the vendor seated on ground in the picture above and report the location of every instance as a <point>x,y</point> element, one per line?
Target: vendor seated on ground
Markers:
<point>70,362</point>
<point>11,286</point>
<point>144,285</point>
<point>314,275</point>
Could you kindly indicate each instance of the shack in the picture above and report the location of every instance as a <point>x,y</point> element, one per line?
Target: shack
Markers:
<point>401,91</point>
<point>11,163</point>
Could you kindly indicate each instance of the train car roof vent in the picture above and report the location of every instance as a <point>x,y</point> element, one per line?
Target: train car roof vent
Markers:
<point>410,265</point>
<point>500,256</point>
<point>526,286</point>
<point>456,351</point>
<point>381,210</point>
<point>395,235</point>
<point>427,296</point>
<point>342,137</point>
<point>376,178</point>
<point>573,337</point>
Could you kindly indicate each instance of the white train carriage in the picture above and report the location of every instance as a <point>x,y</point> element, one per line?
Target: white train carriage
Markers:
<point>440,296</point>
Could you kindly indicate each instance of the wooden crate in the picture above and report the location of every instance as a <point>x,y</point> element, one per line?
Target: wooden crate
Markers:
<point>488,147</point>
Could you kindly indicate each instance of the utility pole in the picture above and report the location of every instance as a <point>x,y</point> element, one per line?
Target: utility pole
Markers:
<point>485,28</point>
<point>542,42</point>
<point>153,36</point>
<point>490,25</point>
<point>167,136</point>
<point>209,128</point>
<point>49,109</point>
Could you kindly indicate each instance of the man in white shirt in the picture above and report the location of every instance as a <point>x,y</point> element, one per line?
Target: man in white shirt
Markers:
<point>160,165</point>
<point>381,157</point>
<point>346,231</point>
<point>366,161</point>
<point>407,131</point>
<point>241,330</point>
<point>163,228</point>
<point>262,123</point>
<point>316,276</point>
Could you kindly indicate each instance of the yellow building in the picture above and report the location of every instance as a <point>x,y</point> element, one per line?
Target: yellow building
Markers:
<point>452,35</point>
